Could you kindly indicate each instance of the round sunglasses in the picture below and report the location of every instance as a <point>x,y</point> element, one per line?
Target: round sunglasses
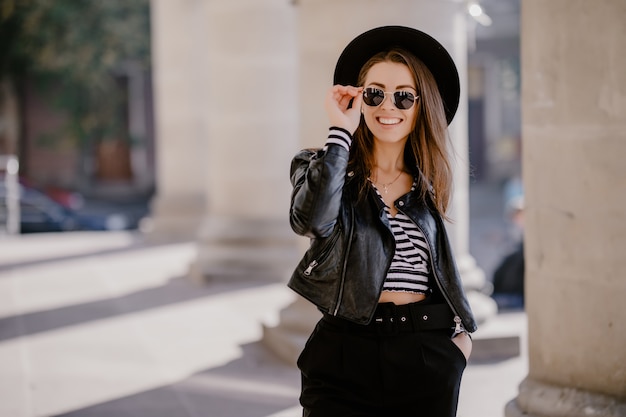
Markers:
<point>403,100</point>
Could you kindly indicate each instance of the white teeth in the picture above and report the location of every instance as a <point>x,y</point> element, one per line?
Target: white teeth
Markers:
<point>386,121</point>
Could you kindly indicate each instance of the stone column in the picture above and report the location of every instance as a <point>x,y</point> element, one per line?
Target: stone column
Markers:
<point>179,80</point>
<point>325,28</point>
<point>250,108</point>
<point>574,126</point>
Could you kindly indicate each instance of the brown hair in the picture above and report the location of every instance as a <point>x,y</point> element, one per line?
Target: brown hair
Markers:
<point>425,152</point>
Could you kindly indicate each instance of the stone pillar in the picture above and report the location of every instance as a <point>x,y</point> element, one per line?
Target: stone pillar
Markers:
<point>574,126</point>
<point>179,79</point>
<point>250,108</point>
<point>324,32</point>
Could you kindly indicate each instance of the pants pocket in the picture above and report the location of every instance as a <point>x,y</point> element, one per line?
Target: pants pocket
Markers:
<point>458,338</point>
<point>443,357</point>
<point>322,351</point>
<point>302,358</point>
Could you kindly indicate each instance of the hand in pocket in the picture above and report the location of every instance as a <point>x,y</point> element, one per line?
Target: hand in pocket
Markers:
<point>464,343</point>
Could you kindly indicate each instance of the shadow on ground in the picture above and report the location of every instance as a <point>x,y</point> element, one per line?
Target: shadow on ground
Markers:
<point>255,385</point>
<point>177,290</point>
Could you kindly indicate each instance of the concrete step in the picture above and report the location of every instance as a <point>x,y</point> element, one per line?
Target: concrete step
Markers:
<point>500,337</point>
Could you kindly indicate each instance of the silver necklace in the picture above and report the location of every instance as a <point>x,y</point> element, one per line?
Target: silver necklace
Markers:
<point>389,184</point>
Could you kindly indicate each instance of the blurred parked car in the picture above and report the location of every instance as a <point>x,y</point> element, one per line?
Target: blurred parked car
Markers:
<point>40,213</point>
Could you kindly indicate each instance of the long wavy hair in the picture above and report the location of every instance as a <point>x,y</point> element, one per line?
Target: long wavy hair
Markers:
<point>426,150</point>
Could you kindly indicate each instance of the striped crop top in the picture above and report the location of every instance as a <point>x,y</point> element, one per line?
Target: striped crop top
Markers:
<point>409,270</point>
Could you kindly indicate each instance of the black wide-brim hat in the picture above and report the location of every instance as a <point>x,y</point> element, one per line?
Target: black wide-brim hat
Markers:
<point>422,45</point>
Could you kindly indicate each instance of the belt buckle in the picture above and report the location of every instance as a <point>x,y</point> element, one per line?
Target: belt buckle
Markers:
<point>386,321</point>
<point>390,320</point>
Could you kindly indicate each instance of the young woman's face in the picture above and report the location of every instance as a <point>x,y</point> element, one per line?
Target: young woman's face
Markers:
<point>386,121</point>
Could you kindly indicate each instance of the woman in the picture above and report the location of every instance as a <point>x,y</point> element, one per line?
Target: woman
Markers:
<point>393,339</point>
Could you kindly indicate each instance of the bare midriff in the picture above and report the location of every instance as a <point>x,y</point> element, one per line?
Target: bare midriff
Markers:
<point>400,298</point>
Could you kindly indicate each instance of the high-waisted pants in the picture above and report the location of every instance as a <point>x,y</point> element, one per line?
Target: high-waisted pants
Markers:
<point>392,367</point>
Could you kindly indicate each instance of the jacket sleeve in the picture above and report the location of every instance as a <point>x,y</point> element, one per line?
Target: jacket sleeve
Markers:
<point>317,177</point>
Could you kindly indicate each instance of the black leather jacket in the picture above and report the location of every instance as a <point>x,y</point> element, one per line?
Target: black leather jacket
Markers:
<point>352,246</point>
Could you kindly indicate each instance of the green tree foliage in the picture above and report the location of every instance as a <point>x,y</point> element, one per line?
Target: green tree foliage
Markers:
<point>73,49</point>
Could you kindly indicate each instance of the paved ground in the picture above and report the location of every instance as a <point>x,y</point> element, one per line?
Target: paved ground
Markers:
<point>101,324</point>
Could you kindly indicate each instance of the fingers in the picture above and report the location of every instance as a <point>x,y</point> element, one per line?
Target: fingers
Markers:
<point>345,93</point>
<point>340,96</point>
<point>338,108</point>
<point>358,100</point>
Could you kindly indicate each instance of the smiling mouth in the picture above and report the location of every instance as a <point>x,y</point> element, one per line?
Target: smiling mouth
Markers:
<point>389,120</point>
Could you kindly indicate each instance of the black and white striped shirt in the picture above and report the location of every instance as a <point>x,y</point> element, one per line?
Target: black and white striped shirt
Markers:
<point>339,136</point>
<point>409,270</point>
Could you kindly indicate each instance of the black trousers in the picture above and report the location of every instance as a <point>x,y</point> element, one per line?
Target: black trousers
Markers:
<point>393,367</point>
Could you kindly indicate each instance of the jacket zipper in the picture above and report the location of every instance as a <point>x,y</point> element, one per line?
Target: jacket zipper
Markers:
<point>323,254</point>
<point>393,241</point>
<point>457,317</point>
<point>345,263</point>
<point>309,268</point>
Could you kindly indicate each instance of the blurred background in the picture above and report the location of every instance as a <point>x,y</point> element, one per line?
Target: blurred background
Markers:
<point>76,111</point>
<point>77,101</point>
<point>77,114</point>
<point>144,192</point>
<point>141,198</point>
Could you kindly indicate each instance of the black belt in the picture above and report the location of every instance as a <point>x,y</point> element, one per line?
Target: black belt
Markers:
<point>405,318</point>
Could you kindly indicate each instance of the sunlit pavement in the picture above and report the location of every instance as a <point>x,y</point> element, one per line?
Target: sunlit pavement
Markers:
<point>101,324</point>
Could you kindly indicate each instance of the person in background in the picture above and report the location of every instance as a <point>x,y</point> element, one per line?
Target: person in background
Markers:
<point>508,278</point>
<point>394,336</point>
